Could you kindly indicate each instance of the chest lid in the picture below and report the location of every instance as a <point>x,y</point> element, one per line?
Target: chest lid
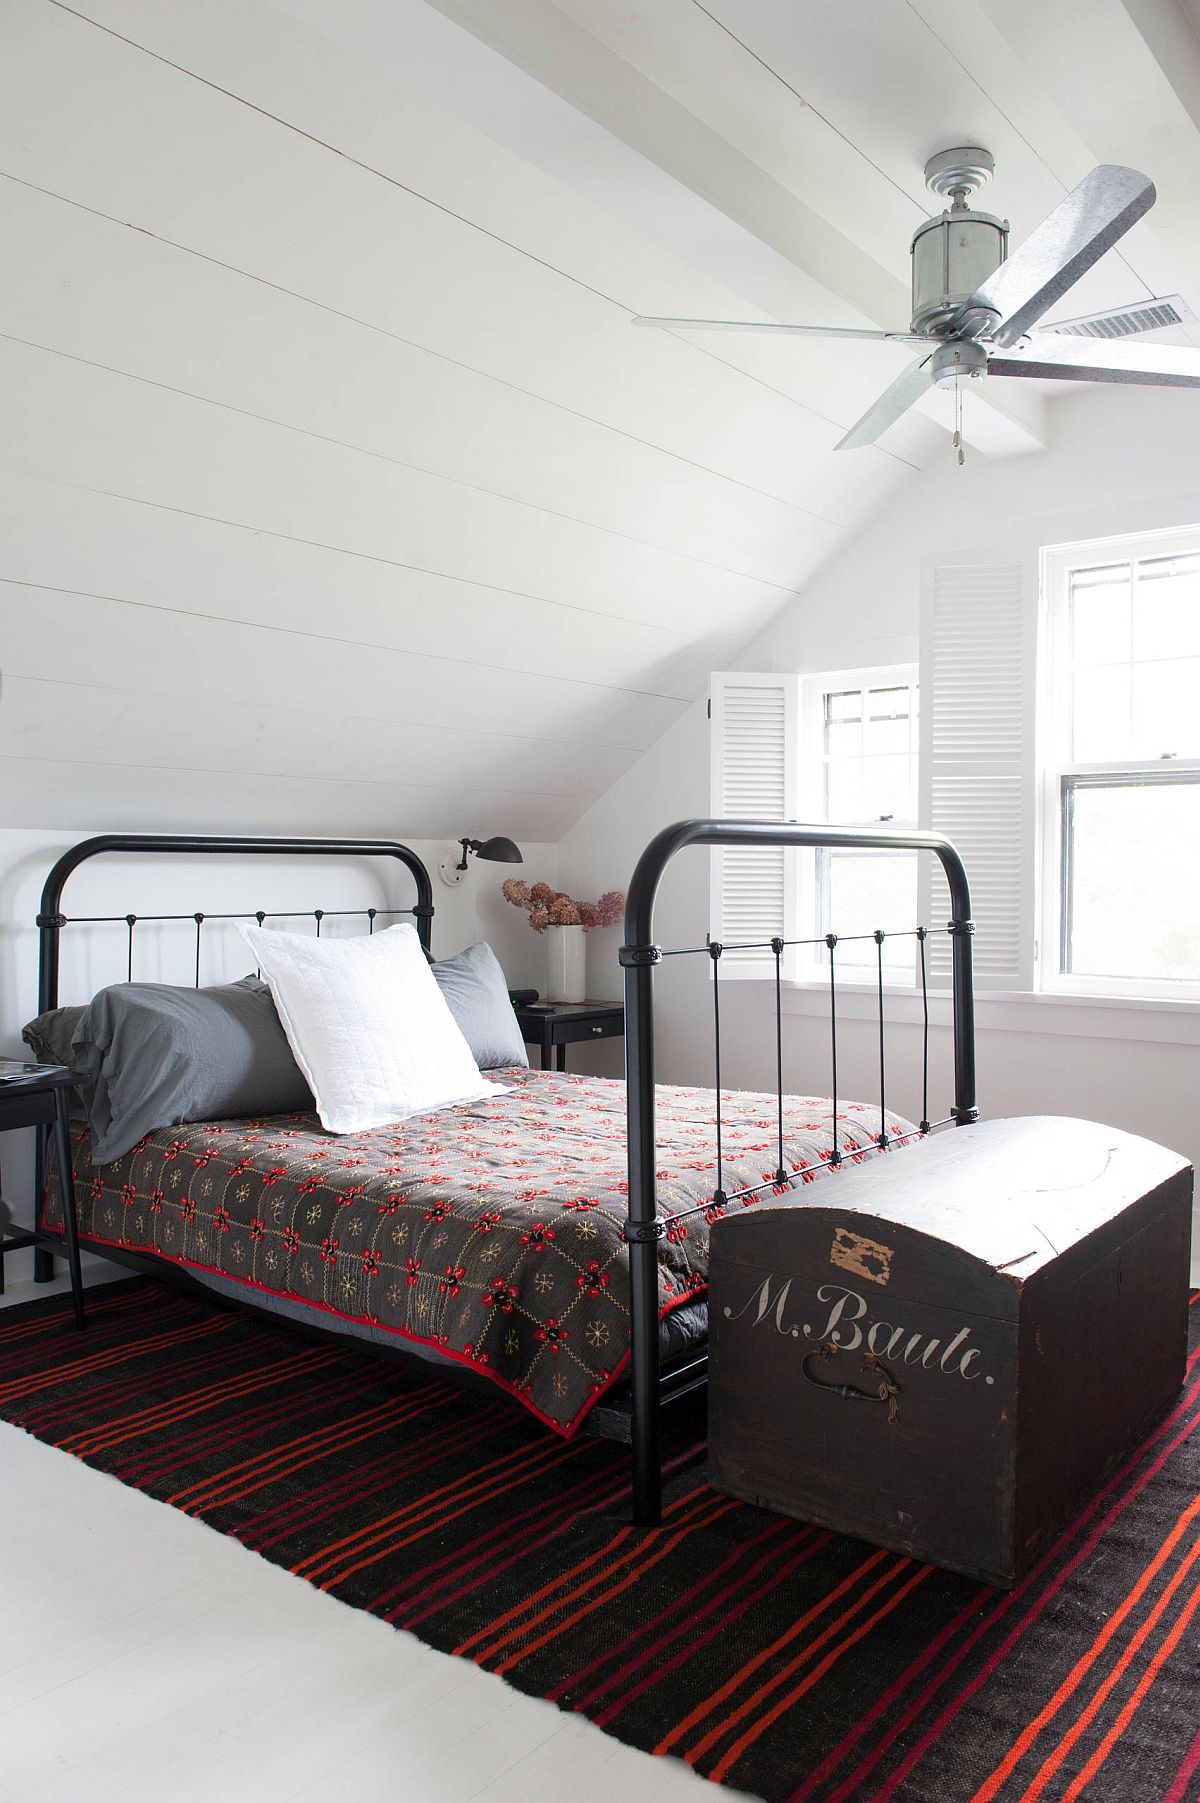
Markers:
<point>972,1213</point>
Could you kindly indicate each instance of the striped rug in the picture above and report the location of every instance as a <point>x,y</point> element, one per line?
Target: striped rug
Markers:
<point>769,1655</point>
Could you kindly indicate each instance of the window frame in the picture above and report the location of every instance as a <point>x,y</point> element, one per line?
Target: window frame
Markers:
<point>1060,776</point>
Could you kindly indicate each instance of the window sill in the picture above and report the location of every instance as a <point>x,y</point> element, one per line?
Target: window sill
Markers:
<point>1010,1011</point>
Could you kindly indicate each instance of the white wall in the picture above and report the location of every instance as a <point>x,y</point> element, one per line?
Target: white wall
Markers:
<point>1122,461</point>
<point>337,489</point>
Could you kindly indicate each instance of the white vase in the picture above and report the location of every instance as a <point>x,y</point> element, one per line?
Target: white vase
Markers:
<point>565,964</point>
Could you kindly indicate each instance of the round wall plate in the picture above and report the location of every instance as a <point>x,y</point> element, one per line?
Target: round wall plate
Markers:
<point>448,865</point>
<point>962,169</point>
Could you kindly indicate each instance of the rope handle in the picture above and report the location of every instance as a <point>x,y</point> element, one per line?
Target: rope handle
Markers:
<point>887,1389</point>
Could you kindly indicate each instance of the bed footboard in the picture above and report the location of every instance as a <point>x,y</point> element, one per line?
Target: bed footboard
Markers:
<point>639,956</point>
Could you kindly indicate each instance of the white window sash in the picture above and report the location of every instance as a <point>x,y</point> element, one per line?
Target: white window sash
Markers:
<point>809,965</point>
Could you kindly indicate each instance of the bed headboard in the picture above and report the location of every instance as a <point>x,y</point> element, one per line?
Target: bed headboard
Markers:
<point>51,920</point>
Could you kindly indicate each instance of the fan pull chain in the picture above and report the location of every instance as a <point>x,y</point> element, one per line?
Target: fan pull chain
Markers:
<point>958,438</point>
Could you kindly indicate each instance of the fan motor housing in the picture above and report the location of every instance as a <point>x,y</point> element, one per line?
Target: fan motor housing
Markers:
<point>957,358</point>
<point>951,256</point>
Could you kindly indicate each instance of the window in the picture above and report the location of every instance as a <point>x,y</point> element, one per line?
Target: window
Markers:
<point>860,730</point>
<point>1121,767</point>
<point>840,747</point>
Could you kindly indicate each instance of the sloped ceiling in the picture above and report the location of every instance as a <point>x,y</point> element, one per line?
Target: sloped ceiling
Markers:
<point>338,493</point>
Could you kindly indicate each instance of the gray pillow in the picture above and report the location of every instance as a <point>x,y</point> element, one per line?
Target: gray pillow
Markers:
<point>49,1039</point>
<point>155,1056</point>
<point>476,993</point>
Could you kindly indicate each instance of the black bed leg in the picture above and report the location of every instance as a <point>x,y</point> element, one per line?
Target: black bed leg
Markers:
<point>644,1228</point>
<point>647,1453</point>
<point>43,1261</point>
<point>66,1191</point>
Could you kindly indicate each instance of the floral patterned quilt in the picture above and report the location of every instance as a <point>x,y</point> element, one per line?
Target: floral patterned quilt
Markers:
<point>490,1231</point>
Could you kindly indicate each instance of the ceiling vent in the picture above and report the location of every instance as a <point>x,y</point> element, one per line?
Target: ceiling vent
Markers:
<point>1123,322</point>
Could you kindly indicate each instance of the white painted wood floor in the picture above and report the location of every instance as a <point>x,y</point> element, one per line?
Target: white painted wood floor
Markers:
<point>145,1658</point>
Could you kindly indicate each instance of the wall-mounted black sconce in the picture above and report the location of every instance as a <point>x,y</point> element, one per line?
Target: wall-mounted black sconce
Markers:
<point>453,861</point>
<point>496,851</point>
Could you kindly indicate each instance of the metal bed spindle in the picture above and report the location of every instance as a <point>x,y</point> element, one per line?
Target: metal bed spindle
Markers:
<point>261,915</point>
<point>645,1226</point>
<point>835,1157</point>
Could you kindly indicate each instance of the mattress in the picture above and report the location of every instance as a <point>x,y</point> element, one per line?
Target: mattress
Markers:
<point>489,1234</point>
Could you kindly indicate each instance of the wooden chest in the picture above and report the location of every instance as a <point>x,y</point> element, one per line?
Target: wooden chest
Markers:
<point>946,1348</point>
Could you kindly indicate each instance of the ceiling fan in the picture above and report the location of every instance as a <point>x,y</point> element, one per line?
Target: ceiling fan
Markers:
<point>975,305</point>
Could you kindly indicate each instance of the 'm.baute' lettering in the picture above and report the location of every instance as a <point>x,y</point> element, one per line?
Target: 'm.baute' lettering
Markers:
<point>845,1322</point>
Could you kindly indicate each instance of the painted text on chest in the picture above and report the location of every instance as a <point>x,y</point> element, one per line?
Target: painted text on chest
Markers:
<point>843,1320</point>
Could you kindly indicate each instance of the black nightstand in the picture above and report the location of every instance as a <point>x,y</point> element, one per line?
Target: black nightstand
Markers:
<point>39,1095</point>
<point>560,1024</point>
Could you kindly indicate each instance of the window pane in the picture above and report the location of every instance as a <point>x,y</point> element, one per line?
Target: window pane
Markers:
<point>870,754</point>
<point>1135,652</point>
<point>1100,602</point>
<point>844,704</point>
<point>843,738</point>
<point>1100,714</point>
<point>1134,860</point>
<point>1166,613</point>
<point>887,721</point>
<point>1166,708</point>
<point>868,890</point>
<point>888,788</point>
<point>844,790</point>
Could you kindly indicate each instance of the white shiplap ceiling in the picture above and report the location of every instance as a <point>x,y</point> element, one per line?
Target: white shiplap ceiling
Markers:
<point>337,491</point>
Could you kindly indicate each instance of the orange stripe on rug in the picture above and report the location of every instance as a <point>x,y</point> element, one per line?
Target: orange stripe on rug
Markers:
<point>704,1517</point>
<point>831,1658</point>
<point>307,1454</point>
<point>102,1438</point>
<point>213,1490</point>
<point>758,1697</point>
<point>88,1363</point>
<point>1083,1665</point>
<point>704,1709</point>
<point>434,1519</point>
<point>54,1323</point>
<point>1053,1761</point>
<point>565,1577</point>
<point>374,1532</point>
<point>1131,1708</point>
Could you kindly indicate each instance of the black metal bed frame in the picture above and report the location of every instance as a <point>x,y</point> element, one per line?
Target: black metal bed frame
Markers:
<point>633,1413</point>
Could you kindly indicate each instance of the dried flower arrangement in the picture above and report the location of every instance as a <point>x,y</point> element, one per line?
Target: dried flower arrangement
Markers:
<point>547,907</point>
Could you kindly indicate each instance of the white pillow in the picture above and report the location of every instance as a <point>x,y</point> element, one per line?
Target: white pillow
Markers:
<point>367,1025</point>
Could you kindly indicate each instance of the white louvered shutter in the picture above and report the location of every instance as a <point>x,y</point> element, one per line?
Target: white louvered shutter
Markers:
<point>978,645</point>
<point>755,776</point>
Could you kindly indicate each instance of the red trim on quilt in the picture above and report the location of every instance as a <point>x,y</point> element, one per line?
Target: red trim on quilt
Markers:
<point>566,1432</point>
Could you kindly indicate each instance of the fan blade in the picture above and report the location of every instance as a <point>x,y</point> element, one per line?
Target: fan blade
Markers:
<point>1066,244</point>
<point>907,389</point>
<point>1051,357</point>
<point>765,325</point>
